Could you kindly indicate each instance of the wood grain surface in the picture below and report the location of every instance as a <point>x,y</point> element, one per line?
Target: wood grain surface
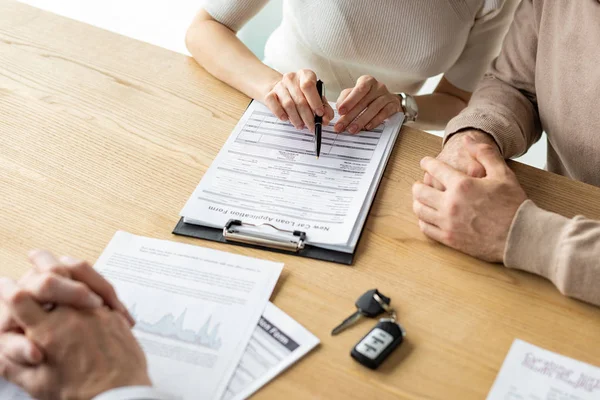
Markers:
<point>100,133</point>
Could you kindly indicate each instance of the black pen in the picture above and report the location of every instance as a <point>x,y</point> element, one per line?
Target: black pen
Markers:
<point>318,121</point>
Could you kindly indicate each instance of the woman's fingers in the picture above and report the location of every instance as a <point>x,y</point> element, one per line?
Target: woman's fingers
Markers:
<point>304,110</point>
<point>361,97</point>
<point>387,111</point>
<point>363,87</point>
<point>272,102</point>
<point>343,94</point>
<point>307,81</point>
<point>329,113</point>
<point>296,98</point>
<point>371,112</point>
<point>289,106</point>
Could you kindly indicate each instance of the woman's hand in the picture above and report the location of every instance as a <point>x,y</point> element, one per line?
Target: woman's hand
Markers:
<point>366,105</point>
<point>295,98</point>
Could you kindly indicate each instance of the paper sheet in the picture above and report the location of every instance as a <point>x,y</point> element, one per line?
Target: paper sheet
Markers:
<point>277,342</point>
<point>267,173</point>
<point>195,310</point>
<point>532,373</point>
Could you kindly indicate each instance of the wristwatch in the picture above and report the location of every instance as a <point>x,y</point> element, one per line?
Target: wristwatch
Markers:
<point>409,106</point>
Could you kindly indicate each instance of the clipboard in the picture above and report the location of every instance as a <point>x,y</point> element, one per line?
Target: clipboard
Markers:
<point>238,233</point>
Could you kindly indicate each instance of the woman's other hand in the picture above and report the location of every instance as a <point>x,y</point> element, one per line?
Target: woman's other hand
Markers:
<point>366,105</point>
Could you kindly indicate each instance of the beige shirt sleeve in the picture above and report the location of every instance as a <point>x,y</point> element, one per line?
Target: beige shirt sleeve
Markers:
<point>484,43</point>
<point>505,103</point>
<point>233,13</point>
<point>565,251</point>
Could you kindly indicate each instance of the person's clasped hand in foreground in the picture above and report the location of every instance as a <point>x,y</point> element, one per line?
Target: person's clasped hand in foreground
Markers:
<point>64,334</point>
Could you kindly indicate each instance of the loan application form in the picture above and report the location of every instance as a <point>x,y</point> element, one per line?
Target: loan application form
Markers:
<point>267,173</point>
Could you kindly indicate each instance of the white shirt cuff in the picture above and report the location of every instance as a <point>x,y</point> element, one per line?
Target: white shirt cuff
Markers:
<point>133,393</point>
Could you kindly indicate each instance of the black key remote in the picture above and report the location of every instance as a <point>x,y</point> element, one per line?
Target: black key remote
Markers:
<point>379,343</point>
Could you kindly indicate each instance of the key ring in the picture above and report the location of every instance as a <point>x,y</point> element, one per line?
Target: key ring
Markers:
<point>386,307</point>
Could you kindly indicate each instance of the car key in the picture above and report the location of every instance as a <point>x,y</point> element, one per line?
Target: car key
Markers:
<point>370,304</point>
<point>379,343</point>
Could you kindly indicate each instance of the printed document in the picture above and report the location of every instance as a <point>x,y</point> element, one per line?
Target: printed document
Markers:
<point>277,342</point>
<point>267,173</point>
<point>195,309</point>
<point>532,373</point>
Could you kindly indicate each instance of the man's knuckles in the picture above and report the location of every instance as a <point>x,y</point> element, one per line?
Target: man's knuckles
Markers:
<point>475,170</point>
<point>14,295</point>
<point>461,186</point>
<point>46,285</point>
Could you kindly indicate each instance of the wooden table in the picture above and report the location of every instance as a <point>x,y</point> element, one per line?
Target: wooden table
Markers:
<point>99,132</point>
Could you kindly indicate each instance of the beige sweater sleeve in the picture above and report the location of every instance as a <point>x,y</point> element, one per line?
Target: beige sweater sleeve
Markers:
<point>566,251</point>
<point>505,103</point>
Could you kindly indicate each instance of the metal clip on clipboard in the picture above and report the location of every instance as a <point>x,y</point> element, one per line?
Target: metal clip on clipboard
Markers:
<point>237,231</point>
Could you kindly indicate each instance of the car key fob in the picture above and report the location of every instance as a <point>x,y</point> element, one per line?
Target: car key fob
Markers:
<point>379,343</point>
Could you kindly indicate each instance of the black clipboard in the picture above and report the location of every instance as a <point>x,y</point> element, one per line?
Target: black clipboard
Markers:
<point>318,253</point>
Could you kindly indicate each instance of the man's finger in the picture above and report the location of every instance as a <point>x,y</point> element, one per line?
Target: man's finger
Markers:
<point>488,156</point>
<point>441,171</point>
<point>433,232</point>
<point>48,287</point>
<point>85,273</point>
<point>426,213</point>
<point>18,348</point>
<point>21,305</point>
<point>43,260</point>
<point>7,322</point>
<point>434,183</point>
<point>22,375</point>
<point>427,195</point>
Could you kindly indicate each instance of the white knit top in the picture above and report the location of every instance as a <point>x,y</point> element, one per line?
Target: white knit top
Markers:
<point>399,42</point>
